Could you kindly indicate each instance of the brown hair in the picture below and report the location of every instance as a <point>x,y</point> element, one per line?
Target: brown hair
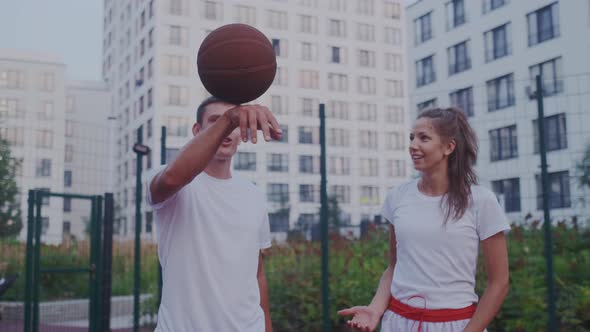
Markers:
<point>451,124</point>
<point>203,107</point>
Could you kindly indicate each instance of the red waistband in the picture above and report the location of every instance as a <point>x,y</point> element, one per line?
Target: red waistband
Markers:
<point>430,315</point>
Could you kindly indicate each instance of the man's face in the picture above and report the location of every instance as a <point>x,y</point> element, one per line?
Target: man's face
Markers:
<point>229,145</point>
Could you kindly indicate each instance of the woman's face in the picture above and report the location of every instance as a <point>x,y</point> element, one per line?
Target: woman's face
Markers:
<point>429,151</point>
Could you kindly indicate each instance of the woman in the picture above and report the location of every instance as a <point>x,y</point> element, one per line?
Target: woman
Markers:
<point>437,223</point>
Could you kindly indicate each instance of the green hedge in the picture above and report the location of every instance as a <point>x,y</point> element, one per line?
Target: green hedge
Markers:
<point>294,276</point>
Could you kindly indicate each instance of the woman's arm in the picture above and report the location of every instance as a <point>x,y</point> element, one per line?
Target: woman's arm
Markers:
<point>496,262</point>
<point>366,318</point>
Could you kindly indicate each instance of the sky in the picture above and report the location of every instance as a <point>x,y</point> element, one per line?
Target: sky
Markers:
<point>70,29</point>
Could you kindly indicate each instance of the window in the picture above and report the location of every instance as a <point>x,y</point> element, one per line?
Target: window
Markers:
<point>392,36</point>
<point>43,168</point>
<point>69,153</point>
<point>280,47</point>
<point>337,54</point>
<point>489,5</point>
<point>337,82</point>
<point>369,195</point>
<point>245,161</point>
<point>149,218</point>
<point>396,168</point>
<point>555,133</point>
<point>338,5</point>
<point>394,88</point>
<point>394,114</point>
<point>177,65</point>
<point>366,58</point>
<point>497,43</point>
<point>309,164</point>
<point>336,28</point>
<point>338,137</point>
<point>309,193</point>
<point>281,77</point>
<point>342,193</point>
<point>338,109</point>
<point>178,35</point>
<point>308,24</point>
<point>425,73</point>
<point>177,126</point>
<point>277,192</point>
<point>277,162</point>
<point>309,3</point>
<point>459,60</point>
<point>10,108</point>
<point>369,167</point>
<point>309,135</point>
<point>365,32</point>
<point>279,221</point>
<point>213,10</point>
<point>151,38</point>
<point>455,13</point>
<point>284,135</point>
<point>150,98</point>
<point>500,92</point>
<point>67,179</point>
<point>67,204</point>
<point>277,20</point>
<point>47,82</point>
<point>46,111</point>
<point>177,95</point>
<point>175,7</point>
<point>339,165</point>
<point>309,79</point>
<point>66,228</point>
<point>431,103</point>
<point>559,190</point>
<point>393,62</point>
<point>367,112</point>
<point>309,107</point>
<point>309,51</point>
<point>245,15</point>
<point>44,139</point>
<point>543,24</point>
<point>394,141</point>
<point>365,7</point>
<point>423,29</point>
<point>551,76</point>
<point>503,143</point>
<point>367,85</point>
<point>508,192</point>
<point>12,79</point>
<point>463,99</point>
<point>279,104</point>
<point>391,9</point>
<point>368,139</point>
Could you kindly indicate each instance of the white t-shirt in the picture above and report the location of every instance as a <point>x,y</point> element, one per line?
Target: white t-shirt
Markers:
<point>209,237</point>
<point>434,260</point>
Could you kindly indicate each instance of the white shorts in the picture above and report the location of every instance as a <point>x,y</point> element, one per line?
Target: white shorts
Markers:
<point>392,322</point>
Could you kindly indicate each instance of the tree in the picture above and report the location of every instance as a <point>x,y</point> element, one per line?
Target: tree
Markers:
<point>10,214</point>
<point>584,168</point>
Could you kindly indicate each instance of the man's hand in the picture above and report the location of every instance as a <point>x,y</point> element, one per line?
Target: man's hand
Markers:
<point>363,318</point>
<point>254,117</point>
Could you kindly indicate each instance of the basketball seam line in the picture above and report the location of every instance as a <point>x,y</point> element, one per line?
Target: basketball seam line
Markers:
<point>238,70</point>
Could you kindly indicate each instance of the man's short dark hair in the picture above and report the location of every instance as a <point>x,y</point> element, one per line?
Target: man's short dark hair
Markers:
<point>203,107</point>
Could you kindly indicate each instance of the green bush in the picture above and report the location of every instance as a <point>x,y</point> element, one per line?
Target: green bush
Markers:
<point>294,277</point>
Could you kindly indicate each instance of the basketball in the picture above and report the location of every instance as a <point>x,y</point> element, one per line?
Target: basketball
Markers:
<point>236,63</point>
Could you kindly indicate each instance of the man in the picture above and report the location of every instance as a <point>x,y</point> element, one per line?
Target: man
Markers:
<point>212,227</point>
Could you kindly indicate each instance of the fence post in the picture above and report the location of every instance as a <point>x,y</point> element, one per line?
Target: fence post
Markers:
<point>107,262</point>
<point>29,260</point>
<point>547,217</point>
<point>324,222</point>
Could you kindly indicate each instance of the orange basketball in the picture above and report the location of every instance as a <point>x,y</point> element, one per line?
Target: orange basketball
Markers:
<point>236,63</point>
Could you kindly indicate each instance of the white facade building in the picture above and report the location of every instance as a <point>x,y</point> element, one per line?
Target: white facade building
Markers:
<point>483,56</point>
<point>33,118</point>
<point>346,54</point>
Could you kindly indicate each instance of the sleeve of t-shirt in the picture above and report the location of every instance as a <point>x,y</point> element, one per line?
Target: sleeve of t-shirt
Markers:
<point>491,218</point>
<point>160,205</point>
<point>264,233</point>
<point>389,205</point>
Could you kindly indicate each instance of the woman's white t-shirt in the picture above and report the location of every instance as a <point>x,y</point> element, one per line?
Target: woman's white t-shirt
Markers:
<point>437,261</point>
